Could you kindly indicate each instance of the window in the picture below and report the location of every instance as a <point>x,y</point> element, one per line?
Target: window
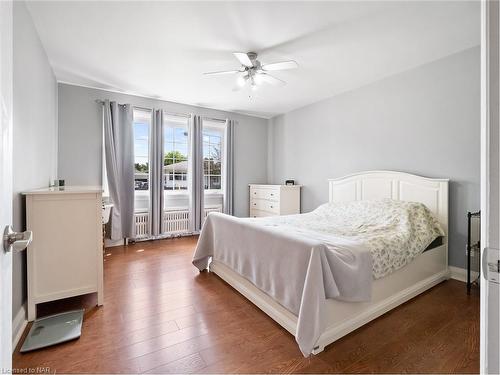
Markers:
<point>142,124</point>
<point>213,143</point>
<point>175,160</point>
<point>175,216</point>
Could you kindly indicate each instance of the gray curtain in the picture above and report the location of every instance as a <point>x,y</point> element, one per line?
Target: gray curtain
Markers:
<point>195,173</point>
<point>228,168</point>
<point>119,150</point>
<point>156,174</point>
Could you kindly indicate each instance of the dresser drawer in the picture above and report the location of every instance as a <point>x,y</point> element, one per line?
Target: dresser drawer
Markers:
<point>265,205</point>
<point>265,193</point>
<point>260,213</point>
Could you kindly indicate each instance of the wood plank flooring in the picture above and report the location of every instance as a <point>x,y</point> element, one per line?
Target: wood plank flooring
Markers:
<point>162,316</point>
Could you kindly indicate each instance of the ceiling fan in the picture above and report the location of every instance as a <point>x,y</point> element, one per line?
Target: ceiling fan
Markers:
<point>255,73</point>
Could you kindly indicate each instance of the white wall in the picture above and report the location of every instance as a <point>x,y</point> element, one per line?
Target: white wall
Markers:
<point>424,121</point>
<point>35,129</point>
<point>80,138</point>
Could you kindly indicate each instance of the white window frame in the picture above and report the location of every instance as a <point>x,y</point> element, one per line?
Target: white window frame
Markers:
<point>219,124</point>
<point>143,116</point>
<point>143,195</point>
<point>176,118</point>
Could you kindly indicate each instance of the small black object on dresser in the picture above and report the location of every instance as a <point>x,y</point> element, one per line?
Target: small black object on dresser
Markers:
<point>473,249</point>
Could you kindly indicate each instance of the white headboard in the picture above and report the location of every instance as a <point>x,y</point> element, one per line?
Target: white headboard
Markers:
<point>432,192</point>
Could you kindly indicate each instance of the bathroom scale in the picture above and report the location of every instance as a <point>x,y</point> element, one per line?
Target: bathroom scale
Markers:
<point>54,329</point>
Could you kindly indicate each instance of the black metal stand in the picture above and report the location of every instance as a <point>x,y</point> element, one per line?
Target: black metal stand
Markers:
<point>471,247</point>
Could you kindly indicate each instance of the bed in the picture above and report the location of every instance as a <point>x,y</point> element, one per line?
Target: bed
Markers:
<point>318,290</point>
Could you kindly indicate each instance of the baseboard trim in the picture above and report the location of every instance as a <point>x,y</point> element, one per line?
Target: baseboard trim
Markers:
<point>113,243</point>
<point>460,274</point>
<point>19,324</point>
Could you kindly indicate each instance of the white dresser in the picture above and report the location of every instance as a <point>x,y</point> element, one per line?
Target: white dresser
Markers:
<point>273,200</point>
<point>65,258</point>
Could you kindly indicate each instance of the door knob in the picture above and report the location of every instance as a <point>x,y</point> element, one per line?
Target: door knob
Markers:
<point>491,264</point>
<point>16,241</point>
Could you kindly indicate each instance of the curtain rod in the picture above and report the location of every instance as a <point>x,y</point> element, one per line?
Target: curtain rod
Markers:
<point>102,102</point>
<point>169,113</point>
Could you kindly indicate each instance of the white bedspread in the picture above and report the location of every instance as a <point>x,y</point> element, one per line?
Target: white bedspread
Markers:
<point>294,267</point>
<point>332,252</point>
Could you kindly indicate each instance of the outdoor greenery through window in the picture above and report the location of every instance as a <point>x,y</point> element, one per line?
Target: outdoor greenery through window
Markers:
<point>142,123</point>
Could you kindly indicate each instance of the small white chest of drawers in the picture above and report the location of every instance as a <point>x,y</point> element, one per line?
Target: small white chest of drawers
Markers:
<point>274,200</point>
<point>65,258</point>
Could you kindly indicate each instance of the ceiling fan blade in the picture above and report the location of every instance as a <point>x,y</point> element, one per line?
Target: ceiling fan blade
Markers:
<point>243,59</point>
<point>282,65</point>
<point>267,78</point>
<point>221,72</point>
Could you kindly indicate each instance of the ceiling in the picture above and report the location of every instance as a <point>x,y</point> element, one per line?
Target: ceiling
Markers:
<point>161,49</point>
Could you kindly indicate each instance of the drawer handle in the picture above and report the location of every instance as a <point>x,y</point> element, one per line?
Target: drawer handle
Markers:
<point>254,193</point>
<point>271,206</point>
<point>272,195</point>
<point>255,204</point>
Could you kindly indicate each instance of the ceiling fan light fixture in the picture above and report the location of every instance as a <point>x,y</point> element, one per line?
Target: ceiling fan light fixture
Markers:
<point>241,80</point>
<point>258,79</point>
<point>254,72</point>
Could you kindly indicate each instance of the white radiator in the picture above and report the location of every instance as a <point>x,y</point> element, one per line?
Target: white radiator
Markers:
<point>141,224</point>
<point>175,221</point>
<point>212,209</point>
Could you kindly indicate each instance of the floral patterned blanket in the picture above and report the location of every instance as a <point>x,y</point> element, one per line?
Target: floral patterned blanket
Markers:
<point>395,232</point>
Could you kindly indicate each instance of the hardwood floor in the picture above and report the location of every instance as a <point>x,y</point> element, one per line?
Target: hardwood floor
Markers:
<point>162,316</point>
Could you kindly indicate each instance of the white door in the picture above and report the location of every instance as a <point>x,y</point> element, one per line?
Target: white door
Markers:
<point>5,182</point>
<point>490,184</point>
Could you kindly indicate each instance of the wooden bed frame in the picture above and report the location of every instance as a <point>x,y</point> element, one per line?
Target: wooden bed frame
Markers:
<point>427,270</point>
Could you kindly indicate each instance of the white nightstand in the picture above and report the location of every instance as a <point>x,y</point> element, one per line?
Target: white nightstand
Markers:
<point>274,200</point>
